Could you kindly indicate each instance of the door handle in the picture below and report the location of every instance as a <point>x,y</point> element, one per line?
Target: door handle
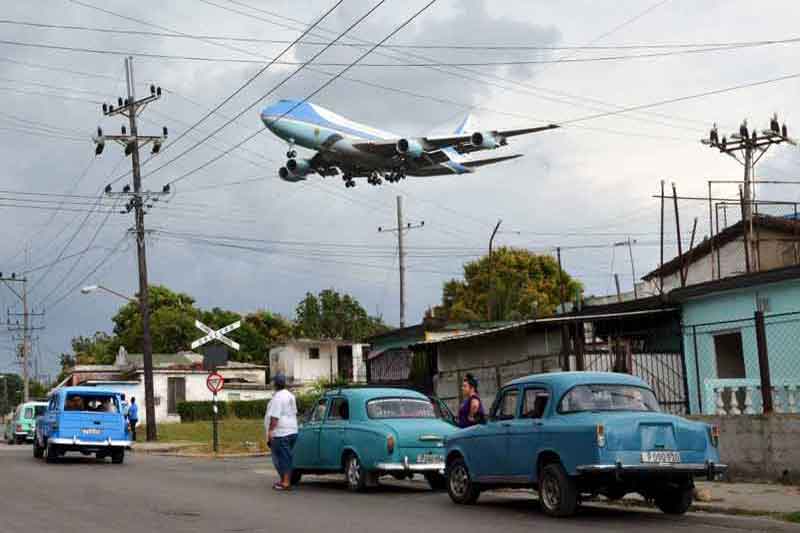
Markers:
<point>506,424</point>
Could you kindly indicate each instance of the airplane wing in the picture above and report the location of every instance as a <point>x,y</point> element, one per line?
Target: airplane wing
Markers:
<point>459,141</point>
<point>490,161</point>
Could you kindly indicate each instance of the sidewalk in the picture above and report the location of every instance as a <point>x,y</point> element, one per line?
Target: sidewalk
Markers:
<point>186,449</point>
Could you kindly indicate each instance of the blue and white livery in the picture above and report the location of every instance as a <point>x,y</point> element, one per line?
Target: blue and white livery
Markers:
<point>355,150</point>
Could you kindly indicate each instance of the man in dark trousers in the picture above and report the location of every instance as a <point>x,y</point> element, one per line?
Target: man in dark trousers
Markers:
<point>133,418</point>
<point>471,411</point>
<point>281,425</point>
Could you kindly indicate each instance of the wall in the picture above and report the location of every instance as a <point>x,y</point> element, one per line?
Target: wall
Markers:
<point>293,361</point>
<point>762,448</point>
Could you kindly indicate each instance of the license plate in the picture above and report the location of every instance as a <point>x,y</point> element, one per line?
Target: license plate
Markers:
<point>91,431</point>
<point>429,458</point>
<point>661,457</point>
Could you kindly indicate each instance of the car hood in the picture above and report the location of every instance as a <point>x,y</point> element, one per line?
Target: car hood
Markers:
<point>419,432</point>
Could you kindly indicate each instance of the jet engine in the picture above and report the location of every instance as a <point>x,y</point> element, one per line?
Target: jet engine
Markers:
<point>295,170</point>
<point>409,148</point>
<point>484,140</point>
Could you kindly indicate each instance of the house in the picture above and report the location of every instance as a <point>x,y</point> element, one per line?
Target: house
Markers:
<point>775,243</point>
<point>304,361</point>
<point>176,378</point>
<point>720,340</point>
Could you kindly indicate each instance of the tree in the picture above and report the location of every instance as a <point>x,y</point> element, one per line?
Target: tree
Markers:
<point>331,315</point>
<point>524,285</point>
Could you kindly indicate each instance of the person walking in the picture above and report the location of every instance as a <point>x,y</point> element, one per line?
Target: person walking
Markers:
<point>280,422</point>
<point>471,412</point>
<point>133,417</point>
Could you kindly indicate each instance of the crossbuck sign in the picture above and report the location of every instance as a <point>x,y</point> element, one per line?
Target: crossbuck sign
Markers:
<point>218,335</point>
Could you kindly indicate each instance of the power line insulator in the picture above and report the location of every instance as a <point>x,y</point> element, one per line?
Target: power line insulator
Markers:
<point>108,189</point>
<point>126,188</point>
<point>105,108</point>
<point>129,148</point>
<point>124,130</point>
<point>119,101</point>
<point>164,131</point>
<point>158,91</point>
<point>784,131</point>
<point>152,89</point>
<point>166,188</point>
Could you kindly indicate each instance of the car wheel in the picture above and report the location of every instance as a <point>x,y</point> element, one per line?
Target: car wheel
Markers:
<point>436,481</point>
<point>355,474</point>
<point>674,500</point>
<point>459,485</point>
<point>296,476</point>
<point>51,452</point>
<point>38,451</point>
<point>20,440</point>
<point>558,493</point>
<point>118,457</point>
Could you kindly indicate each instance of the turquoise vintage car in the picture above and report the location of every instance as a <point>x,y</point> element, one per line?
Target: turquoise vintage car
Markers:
<point>20,427</point>
<point>369,432</point>
<point>571,434</point>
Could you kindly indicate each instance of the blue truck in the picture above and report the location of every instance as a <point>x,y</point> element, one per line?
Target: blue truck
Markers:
<point>88,420</point>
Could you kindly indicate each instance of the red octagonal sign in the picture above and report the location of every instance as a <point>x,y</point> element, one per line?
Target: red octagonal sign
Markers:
<point>215,382</point>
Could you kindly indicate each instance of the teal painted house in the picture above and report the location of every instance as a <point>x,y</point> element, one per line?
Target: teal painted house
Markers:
<point>720,347</point>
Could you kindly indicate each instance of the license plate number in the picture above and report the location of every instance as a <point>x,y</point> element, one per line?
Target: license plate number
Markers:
<point>661,457</point>
<point>91,431</point>
<point>429,458</point>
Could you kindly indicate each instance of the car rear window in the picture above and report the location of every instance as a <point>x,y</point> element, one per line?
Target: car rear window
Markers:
<point>608,398</point>
<point>39,409</point>
<point>28,413</point>
<point>400,408</point>
<point>97,403</point>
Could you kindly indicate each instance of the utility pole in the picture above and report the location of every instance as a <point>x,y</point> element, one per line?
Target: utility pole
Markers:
<point>24,329</point>
<point>490,303</point>
<point>629,243</point>
<point>748,147</point>
<point>616,282</point>
<point>130,107</point>
<point>400,229</point>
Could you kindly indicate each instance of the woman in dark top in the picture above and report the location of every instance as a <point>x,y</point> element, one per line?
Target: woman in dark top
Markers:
<point>471,411</point>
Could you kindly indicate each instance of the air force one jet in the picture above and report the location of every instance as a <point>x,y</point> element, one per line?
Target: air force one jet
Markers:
<point>358,151</point>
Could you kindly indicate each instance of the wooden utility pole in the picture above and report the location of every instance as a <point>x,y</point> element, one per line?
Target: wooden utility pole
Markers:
<point>24,329</point>
<point>678,230</point>
<point>400,229</point>
<point>490,299</point>
<point>661,263</point>
<point>130,107</point>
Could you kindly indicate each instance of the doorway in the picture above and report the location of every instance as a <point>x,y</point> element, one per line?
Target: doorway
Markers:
<point>344,359</point>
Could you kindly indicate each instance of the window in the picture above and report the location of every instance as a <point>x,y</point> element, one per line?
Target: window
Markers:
<point>506,408</point>
<point>38,410</point>
<point>608,398</point>
<point>730,355</point>
<point>318,412</point>
<point>313,352</point>
<point>176,393</point>
<point>535,403</point>
<point>340,410</point>
<point>400,408</point>
<point>28,413</point>
<point>234,396</point>
<point>101,403</point>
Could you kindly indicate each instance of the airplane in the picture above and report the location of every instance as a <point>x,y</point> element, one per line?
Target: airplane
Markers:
<point>358,151</point>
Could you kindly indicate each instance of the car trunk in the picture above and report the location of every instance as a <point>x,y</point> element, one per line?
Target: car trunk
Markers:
<point>637,431</point>
<point>89,426</point>
<point>419,432</point>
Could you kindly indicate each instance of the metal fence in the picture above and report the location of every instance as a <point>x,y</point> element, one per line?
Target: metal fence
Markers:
<point>745,366</point>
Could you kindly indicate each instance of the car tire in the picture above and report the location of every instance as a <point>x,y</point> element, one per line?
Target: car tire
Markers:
<point>436,481</point>
<point>38,451</point>
<point>675,501</point>
<point>10,441</point>
<point>459,485</point>
<point>118,457</point>
<point>296,476</point>
<point>51,452</point>
<point>355,474</point>
<point>558,492</point>
<point>19,440</point>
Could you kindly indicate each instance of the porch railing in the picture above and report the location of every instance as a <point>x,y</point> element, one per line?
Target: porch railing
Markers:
<point>744,397</point>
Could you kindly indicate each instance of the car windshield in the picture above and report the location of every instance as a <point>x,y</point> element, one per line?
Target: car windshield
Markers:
<point>608,398</point>
<point>400,408</point>
<point>98,403</point>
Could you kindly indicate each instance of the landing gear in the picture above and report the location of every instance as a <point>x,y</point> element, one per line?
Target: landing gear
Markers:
<point>396,176</point>
<point>348,180</point>
<point>291,154</point>
<point>375,179</point>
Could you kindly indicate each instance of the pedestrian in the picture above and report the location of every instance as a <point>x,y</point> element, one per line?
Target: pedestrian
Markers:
<point>133,417</point>
<point>281,425</point>
<point>471,412</point>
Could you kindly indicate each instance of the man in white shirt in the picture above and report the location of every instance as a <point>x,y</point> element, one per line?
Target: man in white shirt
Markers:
<point>280,422</point>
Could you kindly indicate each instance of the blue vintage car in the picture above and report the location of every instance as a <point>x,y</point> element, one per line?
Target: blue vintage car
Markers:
<point>369,432</point>
<point>82,419</point>
<point>582,433</point>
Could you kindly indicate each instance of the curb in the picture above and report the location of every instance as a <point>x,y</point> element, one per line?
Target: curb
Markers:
<point>695,508</point>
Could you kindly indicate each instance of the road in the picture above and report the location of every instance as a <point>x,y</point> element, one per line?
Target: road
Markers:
<point>153,494</point>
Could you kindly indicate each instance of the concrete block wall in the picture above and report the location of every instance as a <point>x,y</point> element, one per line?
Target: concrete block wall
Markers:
<point>763,448</point>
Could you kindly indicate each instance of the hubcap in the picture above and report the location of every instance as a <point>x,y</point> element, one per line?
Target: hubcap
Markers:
<point>353,472</point>
<point>459,481</point>
<point>551,494</point>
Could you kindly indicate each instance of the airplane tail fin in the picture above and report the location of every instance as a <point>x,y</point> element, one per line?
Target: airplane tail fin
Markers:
<point>466,126</point>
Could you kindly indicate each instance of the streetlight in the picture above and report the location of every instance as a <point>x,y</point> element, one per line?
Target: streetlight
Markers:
<point>94,288</point>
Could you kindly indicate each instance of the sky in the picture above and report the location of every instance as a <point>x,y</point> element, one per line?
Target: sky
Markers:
<point>582,187</point>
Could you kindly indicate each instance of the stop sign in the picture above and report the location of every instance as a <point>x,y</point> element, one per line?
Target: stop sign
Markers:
<point>215,382</point>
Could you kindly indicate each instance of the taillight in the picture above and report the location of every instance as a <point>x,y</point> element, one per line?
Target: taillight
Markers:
<point>601,435</point>
<point>19,428</point>
<point>713,432</point>
<point>390,444</point>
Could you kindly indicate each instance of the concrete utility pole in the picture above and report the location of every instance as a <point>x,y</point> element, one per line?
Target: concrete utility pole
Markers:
<point>138,200</point>
<point>748,147</point>
<point>490,303</point>
<point>400,229</point>
<point>24,329</point>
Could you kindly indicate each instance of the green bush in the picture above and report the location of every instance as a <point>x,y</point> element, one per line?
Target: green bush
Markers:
<point>194,411</point>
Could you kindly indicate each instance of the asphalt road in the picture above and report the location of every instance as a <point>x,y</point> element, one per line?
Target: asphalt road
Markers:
<point>152,494</point>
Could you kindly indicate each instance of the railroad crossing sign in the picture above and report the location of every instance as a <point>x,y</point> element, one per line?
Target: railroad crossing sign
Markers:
<point>216,335</point>
<point>215,382</point>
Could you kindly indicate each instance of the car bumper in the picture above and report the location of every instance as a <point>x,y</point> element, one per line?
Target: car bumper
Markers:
<point>710,470</point>
<point>91,443</point>
<point>406,466</point>
<point>23,435</point>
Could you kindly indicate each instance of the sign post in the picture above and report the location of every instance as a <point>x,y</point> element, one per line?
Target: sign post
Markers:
<point>215,382</point>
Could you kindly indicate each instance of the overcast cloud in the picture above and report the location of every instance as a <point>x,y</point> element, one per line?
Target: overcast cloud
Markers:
<point>588,183</point>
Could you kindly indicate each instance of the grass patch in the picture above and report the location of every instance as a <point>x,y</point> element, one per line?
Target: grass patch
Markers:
<point>236,435</point>
<point>793,517</point>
